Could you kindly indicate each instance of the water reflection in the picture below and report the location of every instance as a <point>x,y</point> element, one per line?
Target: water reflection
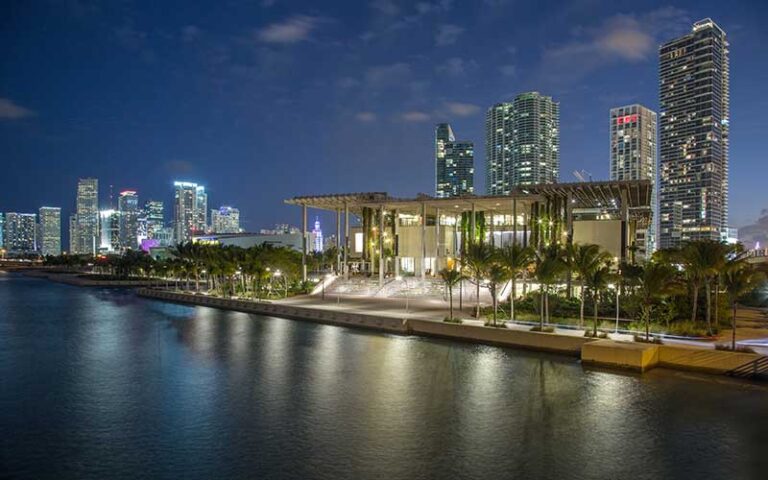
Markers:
<point>100,384</point>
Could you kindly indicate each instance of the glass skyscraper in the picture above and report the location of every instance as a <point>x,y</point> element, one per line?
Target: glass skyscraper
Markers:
<point>188,219</point>
<point>225,220</point>
<point>633,157</point>
<point>522,142</point>
<point>694,121</point>
<point>50,231</point>
<point>454,164</point>
<point>155,215</point>
<point>20,232</point>
<point>87,219</point>
<point>128,208</point>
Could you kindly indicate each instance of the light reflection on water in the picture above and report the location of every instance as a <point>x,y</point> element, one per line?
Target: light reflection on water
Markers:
<point>101,384</point>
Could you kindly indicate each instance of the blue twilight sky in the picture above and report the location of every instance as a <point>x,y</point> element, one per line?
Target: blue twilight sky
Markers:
<point>262,100</point>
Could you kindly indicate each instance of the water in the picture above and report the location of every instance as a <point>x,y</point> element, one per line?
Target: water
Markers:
<point>102,384</point>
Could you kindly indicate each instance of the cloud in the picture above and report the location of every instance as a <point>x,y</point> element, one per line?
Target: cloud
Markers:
<point>366,117</point>
<point>456,67</point>
<point>415,116</point>
<point>387,7</point>
<point>462,109</point>
<point>292,30</point>
<point>508,70</point>
<point>620,38</point>
<point>447,35</point>
<point>190,33</point>
<point>129,37</point>
<point>388,75</point>
<point>11,111</point>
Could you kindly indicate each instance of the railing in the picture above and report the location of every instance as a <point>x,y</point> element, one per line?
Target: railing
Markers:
<point>755,370</point>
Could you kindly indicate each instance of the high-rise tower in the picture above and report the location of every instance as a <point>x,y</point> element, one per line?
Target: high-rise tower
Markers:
<point>188,219</point>
<point>694,121</point>
<point>87,219</point>
<point>633,157</point>
<point>522,141</point>
<point>50,231</point>
<point>454,164</point>
<point>128,211</point>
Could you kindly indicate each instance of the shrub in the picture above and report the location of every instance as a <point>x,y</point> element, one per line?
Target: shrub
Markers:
<point>452,320</point>
<point>739,348</point>
<point>654,340</point>
<point>600,334</point>
<point>543,330</point>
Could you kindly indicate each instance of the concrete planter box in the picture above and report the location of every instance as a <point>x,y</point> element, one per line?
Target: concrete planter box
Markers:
<point>685,357</point>
<point>629,355</point>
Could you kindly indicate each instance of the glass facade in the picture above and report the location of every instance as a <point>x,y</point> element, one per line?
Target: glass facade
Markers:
<point>225,220</point>
<point>454,164</point>
<point>694,121</point>
<point>128,208</point>
<point>50,231</point>
<point>87,230</point>
<point>522,141</point>
<point>633,157</point>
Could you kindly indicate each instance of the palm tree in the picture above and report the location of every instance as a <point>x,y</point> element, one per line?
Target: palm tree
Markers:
<point>658,282</point>
<point>451,278</point>
<point>498,275</point>
<point>477,259</point>
<point>549,269</point>
<point>700,261</point>
<point>517,259</point>
<point>585,260</point>
<point>597,281</point>
<point>739,278</point>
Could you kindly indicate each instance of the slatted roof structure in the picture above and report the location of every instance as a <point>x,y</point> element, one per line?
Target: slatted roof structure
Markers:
<point>584,195</point>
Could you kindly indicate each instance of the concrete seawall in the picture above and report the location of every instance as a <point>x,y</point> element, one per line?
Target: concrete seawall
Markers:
<point>346,319</point>
<point>546,342</point>
<point>609,353</point>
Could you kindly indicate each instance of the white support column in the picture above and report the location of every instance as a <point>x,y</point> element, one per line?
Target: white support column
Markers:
<point>304,243</point>
<point>347,244</point>
<point>338,241</point>
<point>473,225</point>
<point>438,240</point>
<point>395,245</point>
<point>381,246</point>
<point>423,241</point>
<point>514,221</point>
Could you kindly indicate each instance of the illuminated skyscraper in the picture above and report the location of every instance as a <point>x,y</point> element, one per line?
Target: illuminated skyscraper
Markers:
<point>633,157</point>
<point>20,232</point>
<point>2,230</point>
<point>110,231</point>
<point>87,231</point>
<point>128,209</point>
<point>317,237</point>
<point>225,220</point>
<point>50,231</point>
<point>694,120</point>
<point>454,164</point>
<point>522,141</point>
<point>189,198</point>
<point>155,214</point>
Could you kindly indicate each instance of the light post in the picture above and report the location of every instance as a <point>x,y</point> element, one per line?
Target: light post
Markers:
<point>278,274</point>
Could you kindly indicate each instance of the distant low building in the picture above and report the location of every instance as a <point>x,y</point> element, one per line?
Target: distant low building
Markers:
<point>225,220</point>
<point>247,240</point>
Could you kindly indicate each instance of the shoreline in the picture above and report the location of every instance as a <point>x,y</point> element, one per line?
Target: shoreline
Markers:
<point>639,357</point>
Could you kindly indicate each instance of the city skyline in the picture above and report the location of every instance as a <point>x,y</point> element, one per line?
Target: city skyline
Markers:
<point>214,136</point>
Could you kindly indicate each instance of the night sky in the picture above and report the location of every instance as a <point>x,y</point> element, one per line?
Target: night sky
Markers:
<point>264,100</point>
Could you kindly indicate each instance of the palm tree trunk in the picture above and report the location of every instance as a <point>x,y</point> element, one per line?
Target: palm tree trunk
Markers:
<point>594,323</point>
<point>512,300</point>
<point>709,305</point>
<point>647,315</point>
<point>695,303</point>
<point>733,326</point>
<point>477,293</point>
<point>717,301</point>
<point>450,302</point>
<point>541,310</point>
<point>581,306</point>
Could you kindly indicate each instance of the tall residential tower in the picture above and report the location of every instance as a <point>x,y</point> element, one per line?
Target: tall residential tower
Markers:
<point>694,97</point>
<point>633,157</point>
<point>454,164</point>
<point>87,217</point>
<point>189,210</point>
<point>50,231</point>
<point>522,143</point>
